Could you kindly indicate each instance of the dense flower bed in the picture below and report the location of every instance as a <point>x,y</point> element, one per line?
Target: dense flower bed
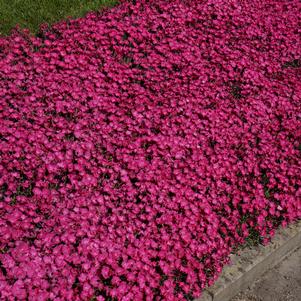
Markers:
<point>140,145</point>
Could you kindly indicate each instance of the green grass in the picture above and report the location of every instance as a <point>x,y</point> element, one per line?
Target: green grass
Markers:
<point>31,13</point>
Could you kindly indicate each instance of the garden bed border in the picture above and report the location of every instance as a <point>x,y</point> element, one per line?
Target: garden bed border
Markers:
<point>248,266</point>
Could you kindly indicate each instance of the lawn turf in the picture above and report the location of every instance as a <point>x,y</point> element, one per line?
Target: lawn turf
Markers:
<point>31,13</point>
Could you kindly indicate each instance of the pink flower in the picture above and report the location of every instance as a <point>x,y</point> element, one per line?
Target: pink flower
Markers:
<point>144,142</point>
<point>105,272</point>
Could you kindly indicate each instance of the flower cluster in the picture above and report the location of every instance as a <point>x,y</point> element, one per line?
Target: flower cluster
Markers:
<point>140,145</point>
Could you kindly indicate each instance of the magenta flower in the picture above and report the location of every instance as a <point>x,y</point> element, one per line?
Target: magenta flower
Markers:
<point>140,145</point>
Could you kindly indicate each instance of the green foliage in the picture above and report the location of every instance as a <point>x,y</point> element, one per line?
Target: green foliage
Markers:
<point>254,238</point>
<point>292,64</point>
<point>31,13</point>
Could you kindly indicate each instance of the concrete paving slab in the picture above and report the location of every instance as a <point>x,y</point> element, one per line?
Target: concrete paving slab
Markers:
<point>281,283</point>
<point>252,263</point>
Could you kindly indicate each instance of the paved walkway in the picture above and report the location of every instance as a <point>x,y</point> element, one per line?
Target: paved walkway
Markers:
<point>281,283</point>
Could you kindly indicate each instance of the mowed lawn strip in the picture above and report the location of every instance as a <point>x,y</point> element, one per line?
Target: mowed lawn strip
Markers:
<point>31,13</point>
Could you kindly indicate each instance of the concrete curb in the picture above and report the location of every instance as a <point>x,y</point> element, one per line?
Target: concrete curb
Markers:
<point>252,263</point>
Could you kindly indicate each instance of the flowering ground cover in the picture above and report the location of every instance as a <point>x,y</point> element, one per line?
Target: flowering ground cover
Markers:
<point>140,145</point>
